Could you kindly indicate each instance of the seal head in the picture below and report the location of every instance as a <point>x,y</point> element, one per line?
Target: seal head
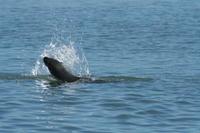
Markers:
<point>57,69</point>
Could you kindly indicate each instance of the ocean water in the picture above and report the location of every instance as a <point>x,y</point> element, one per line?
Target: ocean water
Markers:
<point>144,57</point>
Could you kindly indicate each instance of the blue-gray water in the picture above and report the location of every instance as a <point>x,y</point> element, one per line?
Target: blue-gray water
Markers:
<point>146,51</point>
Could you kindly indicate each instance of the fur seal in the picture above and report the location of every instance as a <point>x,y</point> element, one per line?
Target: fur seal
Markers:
<point>57,69</point>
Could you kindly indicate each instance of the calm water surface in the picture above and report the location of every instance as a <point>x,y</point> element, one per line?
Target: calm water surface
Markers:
<point>146,52</point>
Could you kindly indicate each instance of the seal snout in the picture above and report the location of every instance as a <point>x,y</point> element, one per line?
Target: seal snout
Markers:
<point>45,59</point>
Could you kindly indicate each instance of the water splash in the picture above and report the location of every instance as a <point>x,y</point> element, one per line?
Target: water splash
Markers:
<point>72,57</point>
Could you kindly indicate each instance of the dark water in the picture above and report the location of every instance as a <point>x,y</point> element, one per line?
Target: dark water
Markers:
<point>145,52</point>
